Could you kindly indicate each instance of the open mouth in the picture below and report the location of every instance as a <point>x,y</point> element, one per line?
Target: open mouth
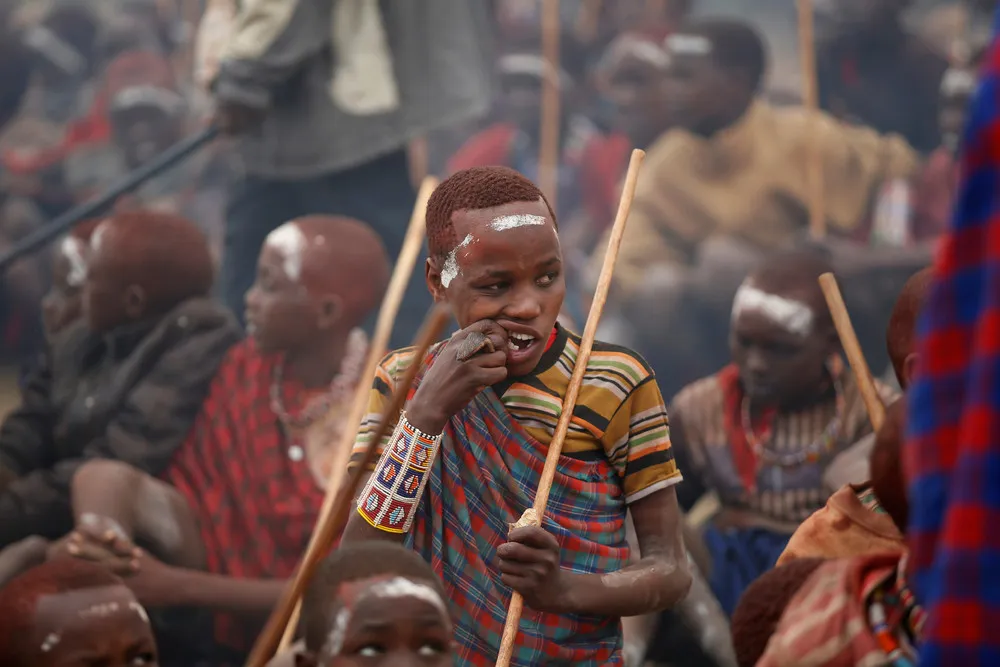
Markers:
<point>519,342</point>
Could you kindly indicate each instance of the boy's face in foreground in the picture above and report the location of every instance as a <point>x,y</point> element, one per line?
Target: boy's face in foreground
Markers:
<point>103,627</point>
<point>506,268</point>
<point>394,621</point>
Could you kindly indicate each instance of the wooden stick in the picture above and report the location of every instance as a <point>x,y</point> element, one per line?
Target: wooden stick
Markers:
<point>588,21</point>
<point>412,245</point>
<point>849,341</point>
<point>333,523</point>
<point>810,89</point>
<point>548,148</point>
<point>533,516</point>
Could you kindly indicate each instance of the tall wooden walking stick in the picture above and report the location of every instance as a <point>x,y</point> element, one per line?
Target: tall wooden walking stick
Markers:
<point>533,516</point>
<point>810,90</point>
<point>333,522</point>
<point>405,263</point>
<point>548,148</point>
<point>849,341</point>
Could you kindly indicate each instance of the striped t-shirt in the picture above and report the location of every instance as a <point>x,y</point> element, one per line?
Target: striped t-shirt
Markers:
<point>619,414</point>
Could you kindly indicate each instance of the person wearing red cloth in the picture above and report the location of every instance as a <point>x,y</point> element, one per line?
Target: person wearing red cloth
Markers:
<point>227,522</point>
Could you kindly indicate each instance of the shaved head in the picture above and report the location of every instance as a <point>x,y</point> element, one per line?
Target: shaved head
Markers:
<point>331,255</point>
<point>901,334</point>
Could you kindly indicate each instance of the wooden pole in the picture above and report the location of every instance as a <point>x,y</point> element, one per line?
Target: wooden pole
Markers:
<point>548,149</point>
<point>849,341</point>
<point>533,516</point>
<point>810,95</point>
<point>405,263</point>
<point>333,522</point>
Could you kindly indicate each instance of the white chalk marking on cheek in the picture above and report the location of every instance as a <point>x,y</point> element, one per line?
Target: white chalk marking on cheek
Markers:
<point>51,641</point>
<point>791,315</point>
<point>400,587</point>
<point>335,640</point>
<point>140,611</point>
<point>450,269</point>
<point>72,249</point>
<point>291,243</point>
<point>505,222</point>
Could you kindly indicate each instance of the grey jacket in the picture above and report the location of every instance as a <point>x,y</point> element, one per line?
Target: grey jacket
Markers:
<point>442,61</point>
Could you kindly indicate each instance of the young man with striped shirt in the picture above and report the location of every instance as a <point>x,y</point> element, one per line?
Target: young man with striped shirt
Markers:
<point>466,456</point>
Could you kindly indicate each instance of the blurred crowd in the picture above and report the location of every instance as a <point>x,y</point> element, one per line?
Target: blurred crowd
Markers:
<point>712,90</point>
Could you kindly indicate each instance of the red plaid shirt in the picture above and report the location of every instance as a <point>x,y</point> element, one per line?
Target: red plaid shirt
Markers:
<point>256,505</point>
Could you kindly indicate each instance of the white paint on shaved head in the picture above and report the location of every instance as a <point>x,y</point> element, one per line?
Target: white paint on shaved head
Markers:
<point>395,588</point>
<point>140,611</point>
<point>51,641</point>
<point>291,243</point>
<point>790,314</point>
<point>401,587</point>
<point>72,249</point>
<point>98,236</point>
<point>689,45</point>
<point>335,640</point>
<point>450,270</point>
<point>505,222</point>
<point>100,610</point>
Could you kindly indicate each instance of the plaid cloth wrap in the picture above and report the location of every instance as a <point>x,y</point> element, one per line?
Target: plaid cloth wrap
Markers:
<point>485,475</point>
<point>952,453</point>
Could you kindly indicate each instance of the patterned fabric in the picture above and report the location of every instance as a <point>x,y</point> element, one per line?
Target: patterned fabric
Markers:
<point>853,523</point>
<point>250,486</point>
<point>619,416</point>
<point>392,494</point>
<point>782,496</point>
<point>827,622</point>
<point>952,453</point>
<point>485,476</point>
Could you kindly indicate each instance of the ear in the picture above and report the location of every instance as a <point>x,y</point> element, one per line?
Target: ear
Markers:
<point>909,369</point>
<point>331,308</point>
<point>135,302</point>
<point>432,274</point>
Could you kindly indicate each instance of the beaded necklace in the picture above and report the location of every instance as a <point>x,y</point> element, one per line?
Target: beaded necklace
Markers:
<point>341,386</point>
<point>811,453</point>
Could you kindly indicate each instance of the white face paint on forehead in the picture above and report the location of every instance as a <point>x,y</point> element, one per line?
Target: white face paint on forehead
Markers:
<point>400,587</point>
<point>335,640</point>
<point>505,222</point>
<point>72,249</point>
<point>688,45</point>
<point>450,269</point>
<point>98,236</point>
<point>291,243</point>
<point>790,314</point>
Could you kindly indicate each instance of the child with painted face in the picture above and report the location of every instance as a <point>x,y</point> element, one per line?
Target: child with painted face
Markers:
<point>466,455</point>
<point>63,304</point>
<point>376,604</point>
<point>761,432</point>
<point>68,613</point>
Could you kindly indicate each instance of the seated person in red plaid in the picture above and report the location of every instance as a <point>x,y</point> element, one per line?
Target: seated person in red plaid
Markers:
<point>228,520</point>
<point>127,381</point>
<point>853,522</point>
<point>760,432</point>
<point>374,603</point>
<point>849,611</point>
<point>68,613</point>
<point>475,432</point>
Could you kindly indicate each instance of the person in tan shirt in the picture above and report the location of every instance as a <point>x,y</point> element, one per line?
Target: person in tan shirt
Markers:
<point>734,166</point>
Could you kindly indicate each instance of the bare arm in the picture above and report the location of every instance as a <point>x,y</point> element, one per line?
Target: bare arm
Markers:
<point>660,579</point>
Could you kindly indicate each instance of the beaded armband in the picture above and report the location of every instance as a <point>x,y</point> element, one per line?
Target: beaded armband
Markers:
<point>390,498</point>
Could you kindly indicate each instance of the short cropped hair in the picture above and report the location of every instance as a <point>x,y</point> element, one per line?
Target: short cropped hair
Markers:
<point>901,334</point>
<point>355,562</point>
<point>736,45</point>
<point>19,598</point>
<point>470,190</point>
